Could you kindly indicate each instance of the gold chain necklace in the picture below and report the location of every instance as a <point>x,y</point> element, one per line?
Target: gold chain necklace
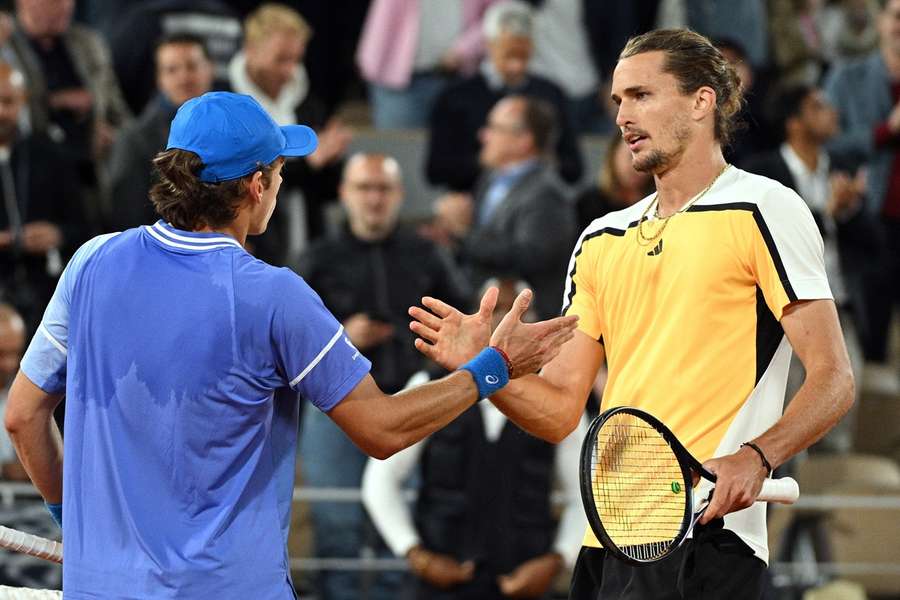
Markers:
<point>643,240</point>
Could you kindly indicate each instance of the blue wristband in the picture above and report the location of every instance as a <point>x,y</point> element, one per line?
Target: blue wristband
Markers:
<point>489,371</point>
<point>55,512</point>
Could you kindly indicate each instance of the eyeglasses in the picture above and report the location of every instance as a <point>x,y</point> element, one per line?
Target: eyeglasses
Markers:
<point>366,187</point>
<point>504,127</point>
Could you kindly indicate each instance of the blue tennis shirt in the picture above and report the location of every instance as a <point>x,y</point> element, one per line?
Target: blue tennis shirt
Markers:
<point>182,358</point>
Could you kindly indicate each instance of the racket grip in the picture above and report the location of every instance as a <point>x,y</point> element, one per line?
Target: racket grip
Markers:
<point>33,545</point>
<point>783,490</point>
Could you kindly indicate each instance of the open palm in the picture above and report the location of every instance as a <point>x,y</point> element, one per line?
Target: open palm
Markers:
<point>449,337</point>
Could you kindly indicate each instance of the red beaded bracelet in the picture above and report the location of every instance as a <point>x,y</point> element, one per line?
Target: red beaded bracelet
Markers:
<point>509,367</point>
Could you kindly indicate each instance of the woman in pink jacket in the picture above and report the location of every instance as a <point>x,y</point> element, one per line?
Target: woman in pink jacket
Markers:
<point>410,49</point>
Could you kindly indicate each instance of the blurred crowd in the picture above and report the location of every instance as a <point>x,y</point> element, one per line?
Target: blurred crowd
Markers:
<point>506,91</point>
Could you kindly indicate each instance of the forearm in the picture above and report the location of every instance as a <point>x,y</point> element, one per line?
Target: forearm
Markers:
<point>39,446</point>
<point>415,413</point>
<point>823,399</point>
<point>539,407</point>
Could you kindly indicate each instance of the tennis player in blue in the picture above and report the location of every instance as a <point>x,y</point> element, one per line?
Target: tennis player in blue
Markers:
<point>182,358</point>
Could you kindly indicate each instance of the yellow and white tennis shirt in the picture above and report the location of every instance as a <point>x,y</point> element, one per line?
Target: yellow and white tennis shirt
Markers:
<point>690,321</point>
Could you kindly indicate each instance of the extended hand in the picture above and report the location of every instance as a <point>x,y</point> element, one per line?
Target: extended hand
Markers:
<point>530,346</point>
<point>532,578</point>
<point>739,478</point>
<point>449,337</point>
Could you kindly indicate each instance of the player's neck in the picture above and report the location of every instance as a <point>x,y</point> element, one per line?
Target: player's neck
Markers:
<point>695,172</point>
<point>236,229</point>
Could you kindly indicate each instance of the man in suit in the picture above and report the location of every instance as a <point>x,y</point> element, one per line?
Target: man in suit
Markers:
<point>518,223</point>
<point>834,191</point>
<point>461,108</point>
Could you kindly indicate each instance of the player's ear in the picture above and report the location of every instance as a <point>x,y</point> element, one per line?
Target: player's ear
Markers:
<point>256,186</point>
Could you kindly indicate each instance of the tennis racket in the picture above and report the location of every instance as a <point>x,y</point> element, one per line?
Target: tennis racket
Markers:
<point>637,486</point>
<point>19,541</point>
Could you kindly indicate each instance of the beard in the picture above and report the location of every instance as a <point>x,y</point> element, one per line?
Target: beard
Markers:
<point>657,160</point>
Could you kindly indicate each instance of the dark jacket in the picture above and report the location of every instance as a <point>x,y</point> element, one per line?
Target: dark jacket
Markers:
<point>529,236</point>
<point>462,109</point>
<point>383,279</point>
<point>46,189</point>
<point>130,166</point>
<point>488,502</point>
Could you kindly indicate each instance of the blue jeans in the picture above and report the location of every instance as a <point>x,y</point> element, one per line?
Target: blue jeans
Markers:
<point>341,529</point>
<point>409,107</point>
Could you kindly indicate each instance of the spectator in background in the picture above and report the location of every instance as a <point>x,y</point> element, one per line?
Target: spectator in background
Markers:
<point>849,29</point>
<point>618,185</point>
<point>12,344</point>
<point>461,109</point>
<point>797,41</point>
<point>866,94</point>
<point>754,134</point>
<point>519,223</point>
<point>482,527</point>
<point>562,54</point>
<point>368,275</point>
<point>134,33</point>
<point>269,68</point>
<point>183,71</point>
<point>411,49</point>
<point>73,93</point>
<point>42,218</point>
<point>834,192</point>
<point>745,22</point>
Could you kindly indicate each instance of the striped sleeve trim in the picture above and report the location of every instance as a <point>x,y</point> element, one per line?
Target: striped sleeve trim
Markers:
<point>318,357</point>
<point>53,341</point>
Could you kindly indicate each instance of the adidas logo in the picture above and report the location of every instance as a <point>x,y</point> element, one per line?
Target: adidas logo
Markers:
<point>657,250</point>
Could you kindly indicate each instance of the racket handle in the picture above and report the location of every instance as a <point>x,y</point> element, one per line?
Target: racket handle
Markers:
<point>26,543</point>
<point>783,490</point>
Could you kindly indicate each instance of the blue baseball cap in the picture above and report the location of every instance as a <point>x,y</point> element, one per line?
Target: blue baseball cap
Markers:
<point>233,135</point>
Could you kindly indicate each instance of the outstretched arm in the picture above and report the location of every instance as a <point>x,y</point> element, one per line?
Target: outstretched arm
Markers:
<point>548,405</point>
<point>383,424</point>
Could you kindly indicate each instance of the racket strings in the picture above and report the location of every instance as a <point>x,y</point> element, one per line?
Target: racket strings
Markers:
<point>637,486</point>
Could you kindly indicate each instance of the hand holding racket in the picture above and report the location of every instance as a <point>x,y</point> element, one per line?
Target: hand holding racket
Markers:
<point>637,484</point>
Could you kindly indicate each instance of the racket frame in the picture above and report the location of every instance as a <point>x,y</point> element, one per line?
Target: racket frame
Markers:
<point>686,462</point>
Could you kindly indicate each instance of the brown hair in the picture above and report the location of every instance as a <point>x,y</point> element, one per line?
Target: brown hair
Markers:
<point>695,63</point>
<point>186,202</point>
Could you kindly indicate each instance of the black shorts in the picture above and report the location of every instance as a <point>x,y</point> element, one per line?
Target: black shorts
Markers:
<point>715,564</point>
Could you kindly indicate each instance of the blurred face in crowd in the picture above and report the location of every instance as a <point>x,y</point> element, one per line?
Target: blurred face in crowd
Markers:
<point>817,119</point>
<point>12,97</point>
<point>510,55</point>
<point>653,115</point>
<point>271,62</point>
<point>889,26</point>
<point>504,138</point>
<point>45,18</point>
<point>183,72</point>
<point>740,65</point>
<point>372,192</point>
<point>12,343</point>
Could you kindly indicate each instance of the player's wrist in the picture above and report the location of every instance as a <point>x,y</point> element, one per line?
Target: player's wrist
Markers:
<point>418,559</point>
<point>753,448</point>
<point>490,370</point>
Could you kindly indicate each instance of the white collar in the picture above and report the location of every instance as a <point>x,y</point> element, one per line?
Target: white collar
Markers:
<point>283,108</point>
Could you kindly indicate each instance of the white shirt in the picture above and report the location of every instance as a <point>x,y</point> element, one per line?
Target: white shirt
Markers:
<point>383,480</point>
<point>815,189</point>
<point>440,23</point>
<point>283,108</point>
<point>561,48</point>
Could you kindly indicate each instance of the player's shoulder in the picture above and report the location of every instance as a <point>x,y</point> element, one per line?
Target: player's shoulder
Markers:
<point>618,221</point>
<point>742,189</point>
